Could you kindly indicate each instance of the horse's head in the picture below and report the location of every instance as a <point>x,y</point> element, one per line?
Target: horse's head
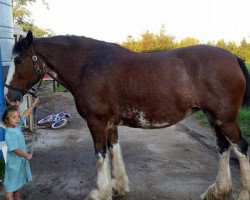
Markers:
<point>25,69</point>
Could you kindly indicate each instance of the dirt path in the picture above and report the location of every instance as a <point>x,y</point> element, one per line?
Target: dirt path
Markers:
<point>175,163</point>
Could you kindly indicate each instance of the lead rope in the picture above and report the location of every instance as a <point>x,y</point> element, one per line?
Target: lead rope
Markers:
<point>31,144</point>
<point>34,132</point>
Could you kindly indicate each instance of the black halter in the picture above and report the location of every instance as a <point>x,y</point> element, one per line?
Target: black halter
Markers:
<point>38,69</point>
<point>23,91</point>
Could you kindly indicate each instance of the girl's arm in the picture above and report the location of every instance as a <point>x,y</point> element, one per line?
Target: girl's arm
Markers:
<point>20,153</point>
<point>28,111</point>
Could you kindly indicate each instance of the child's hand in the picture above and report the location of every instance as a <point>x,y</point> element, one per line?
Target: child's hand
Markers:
<point>36,101</point>
<point>28,156</point>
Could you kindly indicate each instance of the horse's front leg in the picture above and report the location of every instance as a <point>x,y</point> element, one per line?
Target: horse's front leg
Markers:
<point>98,129</point>
<point>119,179</point>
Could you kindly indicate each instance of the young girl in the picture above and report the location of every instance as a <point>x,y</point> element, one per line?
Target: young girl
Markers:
<point>17,170</point>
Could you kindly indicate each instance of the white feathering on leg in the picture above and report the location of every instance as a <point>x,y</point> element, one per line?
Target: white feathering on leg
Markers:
<point>104,188</point>
<point>222,188</point>
<point>120,182</point>
<point>244,175</point>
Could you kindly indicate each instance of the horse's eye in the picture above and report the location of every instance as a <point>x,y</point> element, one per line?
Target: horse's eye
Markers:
<point>17,60</point>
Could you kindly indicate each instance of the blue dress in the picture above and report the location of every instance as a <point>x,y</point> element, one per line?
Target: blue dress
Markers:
<point>17,169</point>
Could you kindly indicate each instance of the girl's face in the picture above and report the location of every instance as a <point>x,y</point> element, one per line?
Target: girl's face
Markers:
<point>13,119</point>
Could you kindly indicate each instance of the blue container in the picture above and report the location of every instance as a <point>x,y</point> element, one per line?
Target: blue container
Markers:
<point>2,106</point>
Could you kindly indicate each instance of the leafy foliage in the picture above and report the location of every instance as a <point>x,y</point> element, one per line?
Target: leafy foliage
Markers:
<point>22,16</point>
<point>188,41</point>
<point>151,42</point>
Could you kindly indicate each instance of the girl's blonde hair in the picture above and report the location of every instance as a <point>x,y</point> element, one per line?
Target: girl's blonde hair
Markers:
<point>5,116</point>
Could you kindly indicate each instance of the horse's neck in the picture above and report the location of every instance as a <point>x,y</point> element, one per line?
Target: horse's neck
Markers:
<point>59,60</point>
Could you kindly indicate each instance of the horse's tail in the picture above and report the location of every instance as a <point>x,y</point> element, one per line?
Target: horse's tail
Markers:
<point>246,100</point>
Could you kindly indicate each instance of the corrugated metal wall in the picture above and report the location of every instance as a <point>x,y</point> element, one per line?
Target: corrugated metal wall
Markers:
<point>6,33</point>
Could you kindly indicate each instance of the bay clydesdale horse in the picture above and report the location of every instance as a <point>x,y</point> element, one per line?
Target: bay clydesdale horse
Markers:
<point>114,86</point>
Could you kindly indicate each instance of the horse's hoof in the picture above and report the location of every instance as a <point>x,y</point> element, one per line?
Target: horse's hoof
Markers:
<point>215,193</point>
<point>120,187</point>
<point>97,195</point>
<point>244,195</point>
<point>203,196</point>
<point>94,195</point>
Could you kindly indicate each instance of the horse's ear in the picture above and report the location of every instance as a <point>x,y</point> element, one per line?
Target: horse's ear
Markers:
<point>20,38</point>
<point>29,37</point>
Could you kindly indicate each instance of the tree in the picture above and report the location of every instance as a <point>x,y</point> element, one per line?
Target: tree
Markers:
<point>164,41</point>
<point>221,43</point>
<point>131,44</point>
<point>22,16</point>
<point>147,42</point>
<point>244,50</point>
<point>151,42</point>
<point>188,41</point>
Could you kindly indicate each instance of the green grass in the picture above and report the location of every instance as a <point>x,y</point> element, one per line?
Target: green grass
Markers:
<point>201,117</point>
<point>243,121</point>
<point>2,167</point>
<point>59,87</point>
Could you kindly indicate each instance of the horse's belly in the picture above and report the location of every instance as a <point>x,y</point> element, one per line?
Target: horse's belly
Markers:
<point>139,119</point>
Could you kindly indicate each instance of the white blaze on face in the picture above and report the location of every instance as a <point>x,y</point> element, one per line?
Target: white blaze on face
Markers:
<point>10,75</point>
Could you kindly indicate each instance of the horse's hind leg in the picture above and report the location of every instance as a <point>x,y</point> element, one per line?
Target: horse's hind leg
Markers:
<point>222,188</point>
<point>119,181</point>
<point>240,146</point>
<point>241,151</point>
<point>98,129</point>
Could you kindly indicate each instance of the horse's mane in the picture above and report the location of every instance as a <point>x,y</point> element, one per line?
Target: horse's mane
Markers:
<point>18,47</point>
<point>72,40</point>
